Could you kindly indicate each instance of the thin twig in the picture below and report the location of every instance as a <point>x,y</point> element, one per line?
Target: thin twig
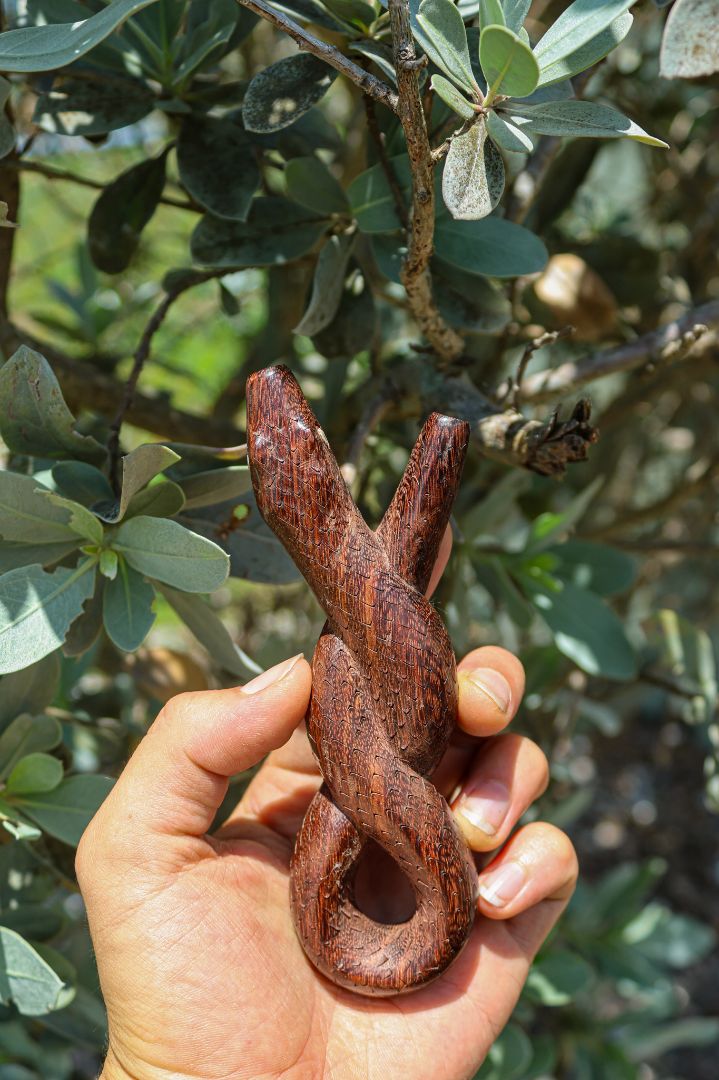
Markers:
<point>659,510</point>
<point>415,273</point>
<point>51,172</point>
<point>368,83</point>
<point>549,337</point>
<point>692,333</point>
<point>141,355</point>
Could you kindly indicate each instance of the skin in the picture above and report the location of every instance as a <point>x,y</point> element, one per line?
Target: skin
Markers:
<point>199,965</point>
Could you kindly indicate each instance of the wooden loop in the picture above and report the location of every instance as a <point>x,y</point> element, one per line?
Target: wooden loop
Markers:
<point>384,693</point>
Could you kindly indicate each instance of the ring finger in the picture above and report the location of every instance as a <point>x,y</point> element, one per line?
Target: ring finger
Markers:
<point>508,774</point>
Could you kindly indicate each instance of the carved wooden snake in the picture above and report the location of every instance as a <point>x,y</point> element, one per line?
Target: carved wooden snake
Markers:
<point>384,693</point>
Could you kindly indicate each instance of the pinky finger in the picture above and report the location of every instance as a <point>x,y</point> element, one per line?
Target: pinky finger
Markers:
<point>538,863</point>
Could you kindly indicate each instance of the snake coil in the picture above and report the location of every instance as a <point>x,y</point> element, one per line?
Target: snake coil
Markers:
<point>384,693</point>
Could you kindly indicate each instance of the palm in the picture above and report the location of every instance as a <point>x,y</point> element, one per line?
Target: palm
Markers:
<point>227,948</point>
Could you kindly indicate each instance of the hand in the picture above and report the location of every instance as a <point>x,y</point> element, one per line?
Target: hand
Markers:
<point>200,968</point>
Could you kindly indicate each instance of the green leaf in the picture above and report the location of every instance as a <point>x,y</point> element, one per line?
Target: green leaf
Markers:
<point>649,1041</point>
<point>121,213</point>
<point>163,499</point>
<point>36,610</point>
<point>515,12</point>
<point>354,12</point>
<point>688,654</point>
<point>584,629</point>
<point>26,515</point>
<point>558,977</point>
<point>85,630</point>
<point>491,13</point>
<point>14,555</point>
<point>108,564</point>
<point>7,131</point>
<point>254,550</point>
<point>80,520</point>
<point>493,247</point>
<point>668,938</point>
<point>35,772</point>
<point>26,980</point>
<point>65,812</point>
<point>451,96</point>
<point>208,38</point>
<point>439,28</point>
<point>46,48</point>
<point>327,285</point>
<point>577,25</point>
<point>284,91</point>
<point>81,482</point>
<point>473,177</point>
<point>138,468</point>
<point>371,198</point>
<point>508,135</point>
<point>127,608</point>
<point>166,551</point>
<point>690,45</point>
<point>27,735</point>
<point>88,107</point>
<point>277,231</point>
<point>549,526</point>
<point>508,1057</point>
<point>579,119</point>
<point>508,64</point>
<point>34,418</point>
<point>217,165</point>
<point>215,485</point>
<point>311,184</point>
<point>588,54</point>
<point>29,690</point>
<point>211,632</point>
<point>596,567</point>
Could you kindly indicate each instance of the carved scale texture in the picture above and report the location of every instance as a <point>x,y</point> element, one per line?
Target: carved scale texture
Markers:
<point>384,693</point>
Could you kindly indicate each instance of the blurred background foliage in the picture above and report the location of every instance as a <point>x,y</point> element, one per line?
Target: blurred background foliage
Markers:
<point>594,558</point>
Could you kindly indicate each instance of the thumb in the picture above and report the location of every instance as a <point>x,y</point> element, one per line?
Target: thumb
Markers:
<point>178,776</point>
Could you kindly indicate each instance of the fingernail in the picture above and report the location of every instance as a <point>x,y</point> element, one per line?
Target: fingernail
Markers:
<point>485,806</point>
<point>494,685</point>
<point>272,675</point>
<point>503,884</point>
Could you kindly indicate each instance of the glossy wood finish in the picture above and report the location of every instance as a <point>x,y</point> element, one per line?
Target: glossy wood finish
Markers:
<point>384,696</point>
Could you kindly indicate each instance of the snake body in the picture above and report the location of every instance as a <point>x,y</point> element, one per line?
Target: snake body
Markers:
<point>384,694</point>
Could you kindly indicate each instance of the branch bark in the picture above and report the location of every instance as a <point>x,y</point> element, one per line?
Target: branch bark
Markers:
<point>694,332</point>
<point>415,274</point>
<point>368,83</point>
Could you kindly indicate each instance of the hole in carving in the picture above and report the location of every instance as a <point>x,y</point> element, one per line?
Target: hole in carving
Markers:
<point>379,888</point>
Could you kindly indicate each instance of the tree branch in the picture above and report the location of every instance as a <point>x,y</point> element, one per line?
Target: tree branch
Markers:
<point>415,274</point>
<point>694,332</point>
<point>183,282</point>
<point>85,387</point>
<point>368,83</point>
<point>51,172</point>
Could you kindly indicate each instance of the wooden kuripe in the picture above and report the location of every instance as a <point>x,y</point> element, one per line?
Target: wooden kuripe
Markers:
<point>384,693</point>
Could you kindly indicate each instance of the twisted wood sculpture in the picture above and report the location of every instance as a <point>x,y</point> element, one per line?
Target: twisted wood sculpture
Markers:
<point>384,693</point>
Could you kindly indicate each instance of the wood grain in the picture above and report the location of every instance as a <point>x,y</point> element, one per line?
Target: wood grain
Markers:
<point>384,693</point>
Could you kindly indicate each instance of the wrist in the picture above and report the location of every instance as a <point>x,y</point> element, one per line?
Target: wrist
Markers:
<point>113,1070</point>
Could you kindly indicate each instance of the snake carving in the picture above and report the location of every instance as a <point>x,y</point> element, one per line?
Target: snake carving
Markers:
<point>384,694</point>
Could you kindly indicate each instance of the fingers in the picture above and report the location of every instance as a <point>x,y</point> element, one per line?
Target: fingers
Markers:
<point>491,684</point>
<point>178,776</point>
<point>537,864</point>
<point>510,773</point>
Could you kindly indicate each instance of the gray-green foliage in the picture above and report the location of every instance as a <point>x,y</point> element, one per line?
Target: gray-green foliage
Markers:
<point>285,187</point>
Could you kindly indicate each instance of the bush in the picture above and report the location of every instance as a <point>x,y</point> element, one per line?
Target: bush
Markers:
<point>426,207</point>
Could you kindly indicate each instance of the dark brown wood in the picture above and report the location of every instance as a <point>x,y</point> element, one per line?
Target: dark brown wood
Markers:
<point>384,693</point>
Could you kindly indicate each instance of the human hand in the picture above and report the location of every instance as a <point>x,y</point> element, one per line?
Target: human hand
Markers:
<point>200,968</point>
